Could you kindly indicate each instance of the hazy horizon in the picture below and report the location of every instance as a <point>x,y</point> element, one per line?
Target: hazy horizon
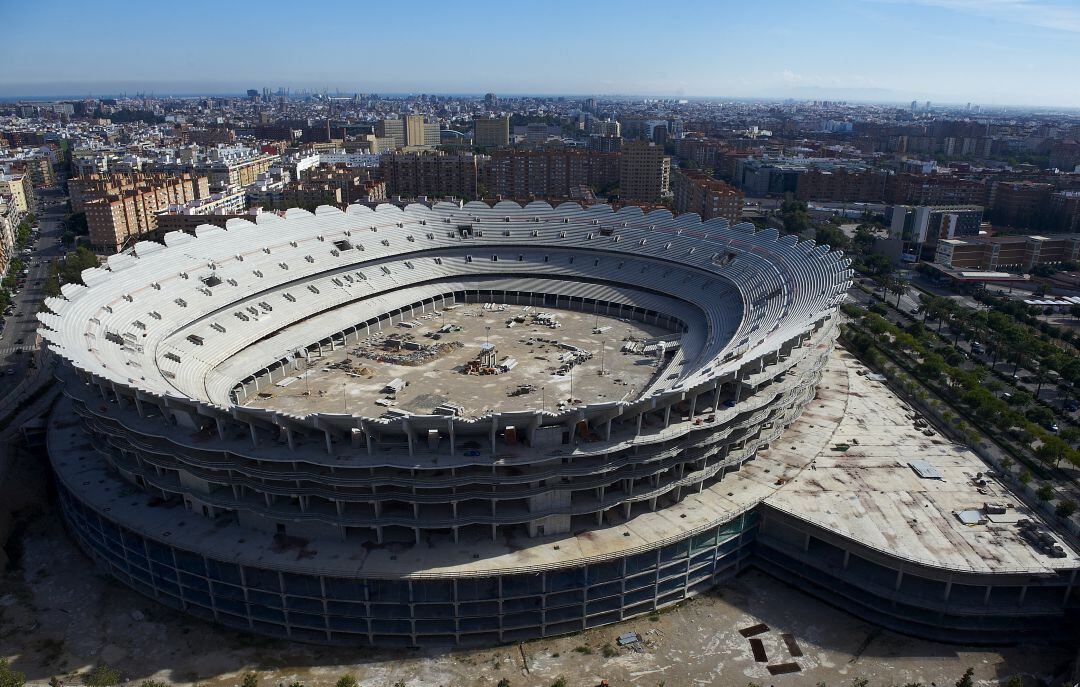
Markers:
<point>1001,53</point>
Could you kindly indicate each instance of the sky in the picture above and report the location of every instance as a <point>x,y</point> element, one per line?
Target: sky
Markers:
<point>990,52</point>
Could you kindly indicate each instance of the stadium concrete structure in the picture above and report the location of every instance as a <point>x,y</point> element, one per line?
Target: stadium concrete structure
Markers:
<point>414,530</point>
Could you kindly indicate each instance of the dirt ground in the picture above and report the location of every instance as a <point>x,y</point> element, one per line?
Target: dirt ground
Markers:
<point>323,388</point>
<point>59,616</point>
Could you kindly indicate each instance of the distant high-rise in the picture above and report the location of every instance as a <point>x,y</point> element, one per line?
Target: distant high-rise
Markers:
<point>419,132</point>
<point>914,105</point>
<point>590,104</point>
<point>491,100</point>
<point>392,129</point>
<point>491,132</point>
<point>643,171</point>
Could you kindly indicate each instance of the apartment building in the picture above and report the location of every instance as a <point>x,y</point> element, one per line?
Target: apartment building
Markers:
<point>9,220</point>
<point>1021,204</point>
<point>333,185</point>
<point>216,210</point>
<point>19,189</point>
<point>548,173</point>
<point>695,191</point>
<point>122,208</point>
<point>935,189</point>
<point>644,172</point>
<point>1065,206</point>
<point>429,174</point>
<point>491,132</point>
<point>841,185</point>
<point>242,171</point>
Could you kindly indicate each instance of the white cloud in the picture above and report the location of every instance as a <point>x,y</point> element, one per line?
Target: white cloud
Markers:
<point>1047,15</point>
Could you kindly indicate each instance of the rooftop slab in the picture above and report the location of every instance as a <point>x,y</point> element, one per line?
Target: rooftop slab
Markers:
<point>870,494</point>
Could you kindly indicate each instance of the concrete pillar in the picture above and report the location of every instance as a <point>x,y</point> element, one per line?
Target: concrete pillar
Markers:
<point>254,434</point>
<point>667,416</point>
<point>1023,594</point>
<point>899,579</point>
<point>847,557</point>
<point>329,443</point>
<point>289,436</point>
<point>220,423</point>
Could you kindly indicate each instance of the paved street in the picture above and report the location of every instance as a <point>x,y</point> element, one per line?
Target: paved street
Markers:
<point>19,342</point>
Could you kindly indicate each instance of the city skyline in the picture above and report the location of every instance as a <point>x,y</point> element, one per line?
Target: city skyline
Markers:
<point>1000,52</point>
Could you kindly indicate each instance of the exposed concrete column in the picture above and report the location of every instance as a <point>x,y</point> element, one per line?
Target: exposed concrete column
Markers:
<point>806,543</point>
<point>138,406</point>
<point>1023,594</point>
<point>640,417</point>
<point>329,443</point>
<point>607,433</point>
<point>986,596</point>
<point>667,416</point>
<point>899,579</point>
<point>220,423</point>
<point>450,431</point>
<point>494,428</point>
<point>948,589</point>
<point>254,434</point>
<point>693,406</point>
<point>408,434</point>
<point>847,556</point>
<point>289,436</point>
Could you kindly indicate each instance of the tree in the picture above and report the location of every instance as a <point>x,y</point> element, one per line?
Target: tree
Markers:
<point>153,683</point>
<point>1053,449</point>
<point>1045,492</point>
<point>503,683</point>
<point>346,680</point>
<point>1065,509</point>
<point>102,676</point>
<point>250,680</point>
<point>10,677</point>
<point>968,679</point>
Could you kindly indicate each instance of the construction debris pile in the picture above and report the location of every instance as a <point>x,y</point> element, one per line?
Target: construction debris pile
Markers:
<point>656,348</point>
<point>402,349</point>
<point>487,362</point>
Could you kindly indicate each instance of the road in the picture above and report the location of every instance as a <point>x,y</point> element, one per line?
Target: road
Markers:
<point>19,342</point>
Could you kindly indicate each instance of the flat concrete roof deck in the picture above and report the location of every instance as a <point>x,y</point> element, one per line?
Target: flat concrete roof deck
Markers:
<point>868,493</point>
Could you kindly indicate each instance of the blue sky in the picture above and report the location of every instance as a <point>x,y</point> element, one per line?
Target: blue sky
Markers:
<point>984,51</point>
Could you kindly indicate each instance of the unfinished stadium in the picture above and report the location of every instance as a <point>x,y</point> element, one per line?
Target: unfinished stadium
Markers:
<point>465,424</point>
